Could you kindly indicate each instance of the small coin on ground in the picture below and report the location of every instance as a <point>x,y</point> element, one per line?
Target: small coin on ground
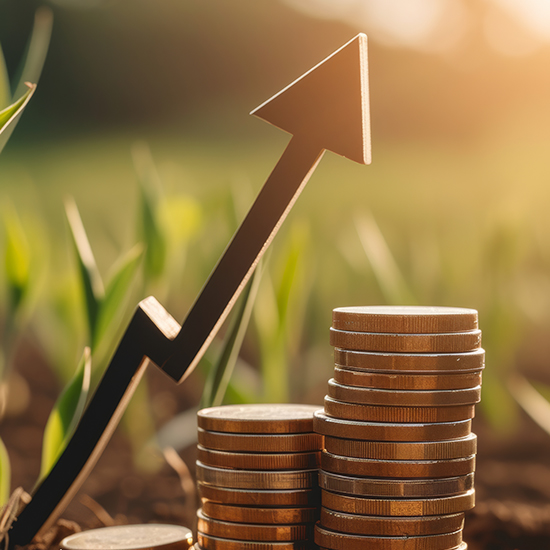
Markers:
<point>395,488</point>
<point>243,497</point>
<point>380,413</point>
<point>398,507</point>
<point>251,532</point>
<point>404,319</point>
<point>260,443</point>
<point>349,376</point>
<point>403,398</point>
<point>258,461</point>
<point>249,514</point>
<point>411,362</point>
<point>401,469</point>
<point>208,542</point>
<point>424,450</point>
<point>256,479</point>
<point>260,418</point>
<point>380,431</point>
<point>378,525</point>
<point>131,537</point>
<point>344,541</point>
<point>455,342</point>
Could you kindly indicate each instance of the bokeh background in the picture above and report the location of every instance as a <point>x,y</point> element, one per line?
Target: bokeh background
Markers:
<point>452,211</point>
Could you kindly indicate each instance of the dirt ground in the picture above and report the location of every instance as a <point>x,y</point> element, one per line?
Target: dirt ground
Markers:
<point>512,476</point>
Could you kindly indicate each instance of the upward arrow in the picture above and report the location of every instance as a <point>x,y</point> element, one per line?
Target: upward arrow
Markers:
<point>327,108</point>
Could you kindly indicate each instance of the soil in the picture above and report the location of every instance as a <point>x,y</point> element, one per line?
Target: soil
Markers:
<point>512,474</point>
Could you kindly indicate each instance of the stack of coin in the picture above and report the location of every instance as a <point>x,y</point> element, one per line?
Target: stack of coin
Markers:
<point>399,456</point>
<point>257,473</point>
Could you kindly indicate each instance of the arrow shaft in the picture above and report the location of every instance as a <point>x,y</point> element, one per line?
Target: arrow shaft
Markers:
<point>237,263</point>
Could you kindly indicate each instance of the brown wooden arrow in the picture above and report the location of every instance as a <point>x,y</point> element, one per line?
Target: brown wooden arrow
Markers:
<point>326,108</point>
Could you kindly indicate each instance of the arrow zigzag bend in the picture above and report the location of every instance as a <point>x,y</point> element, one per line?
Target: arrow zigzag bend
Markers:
<point>326,108</point>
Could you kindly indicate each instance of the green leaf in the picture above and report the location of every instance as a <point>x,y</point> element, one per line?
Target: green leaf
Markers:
<point>31,66</point>
<point>149,229</point>
<point>9,117</point>
<point>5,474</point>
<point>66,414</point>
<point>16,259</point>
<point>87,267</point>
<point>116,292</point>
<point>5,93</point>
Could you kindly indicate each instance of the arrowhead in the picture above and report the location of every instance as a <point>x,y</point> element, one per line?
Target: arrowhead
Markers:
<point>329,104</point>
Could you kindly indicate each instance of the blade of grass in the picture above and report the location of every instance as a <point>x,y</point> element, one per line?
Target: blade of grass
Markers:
<point>66,414</point>
<point>89,274</point>
<point>33,60</point>
<point>9,117</point>
<point>530,400</point>
<point>5,474</point>
<point>5,92</point>
<point>116,291</point>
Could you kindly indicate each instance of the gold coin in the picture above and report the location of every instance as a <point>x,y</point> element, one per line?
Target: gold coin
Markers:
<point>425,450</point>
<point>404,319</point>
<point>398,507</point>
<point>256,479</point>
<point>344,541</point>
<point>395,488</point>
<point>208,542</point>
<point>259,461</point>
<point>250,532</point>
<point>131,537</point>
<point>397,468</point>
<point>249,514</point>
<point>379,413</point>
<point>260,443</point>
<point>378,525</point>
<point>411,362</point>
<point>382,431</point>
<point>455,342</point>
<point>243,497</point>
<point>403,398</point>
<point>349,376</point>
<point>258,419</point>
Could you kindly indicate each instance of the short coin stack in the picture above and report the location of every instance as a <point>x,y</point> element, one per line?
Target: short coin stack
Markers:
<point>257,473</point>
<point>397,467</point>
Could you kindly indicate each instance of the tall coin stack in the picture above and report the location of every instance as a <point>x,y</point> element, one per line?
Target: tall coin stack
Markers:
<point>399,456</point>
<point>257,474</point>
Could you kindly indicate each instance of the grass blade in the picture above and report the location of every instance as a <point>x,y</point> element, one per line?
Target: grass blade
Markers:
<point>89,273</point>
<point>116,292</point>
<point>66,414</point>
<point>37,48</point>
<point>9,117</point>
<point>531,400</point>
<point>5,474</point>
<point>5,93</point>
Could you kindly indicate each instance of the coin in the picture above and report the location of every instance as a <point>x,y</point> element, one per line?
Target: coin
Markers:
<point>395,488</point>
<point>411,362</point>
<point>425,450</point>
<point>258,461</point>
<point>258,419</point>
<point>348,376</point>
<point>378,525</point>
<point>243,497</point>
<point>256,479</point>
<point>131,537</point>
<point>208,542</point>
<point>249,514</point>
<point>260,443</point>
<point>399,507</point>
<point>454,342</point>
<point>403,398</point>
<point>397,468</point>
<point>380,431</point>
<point>250,532</point>
<point>404,319</point>
<point>344,541</point>
<point>379,413</point>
